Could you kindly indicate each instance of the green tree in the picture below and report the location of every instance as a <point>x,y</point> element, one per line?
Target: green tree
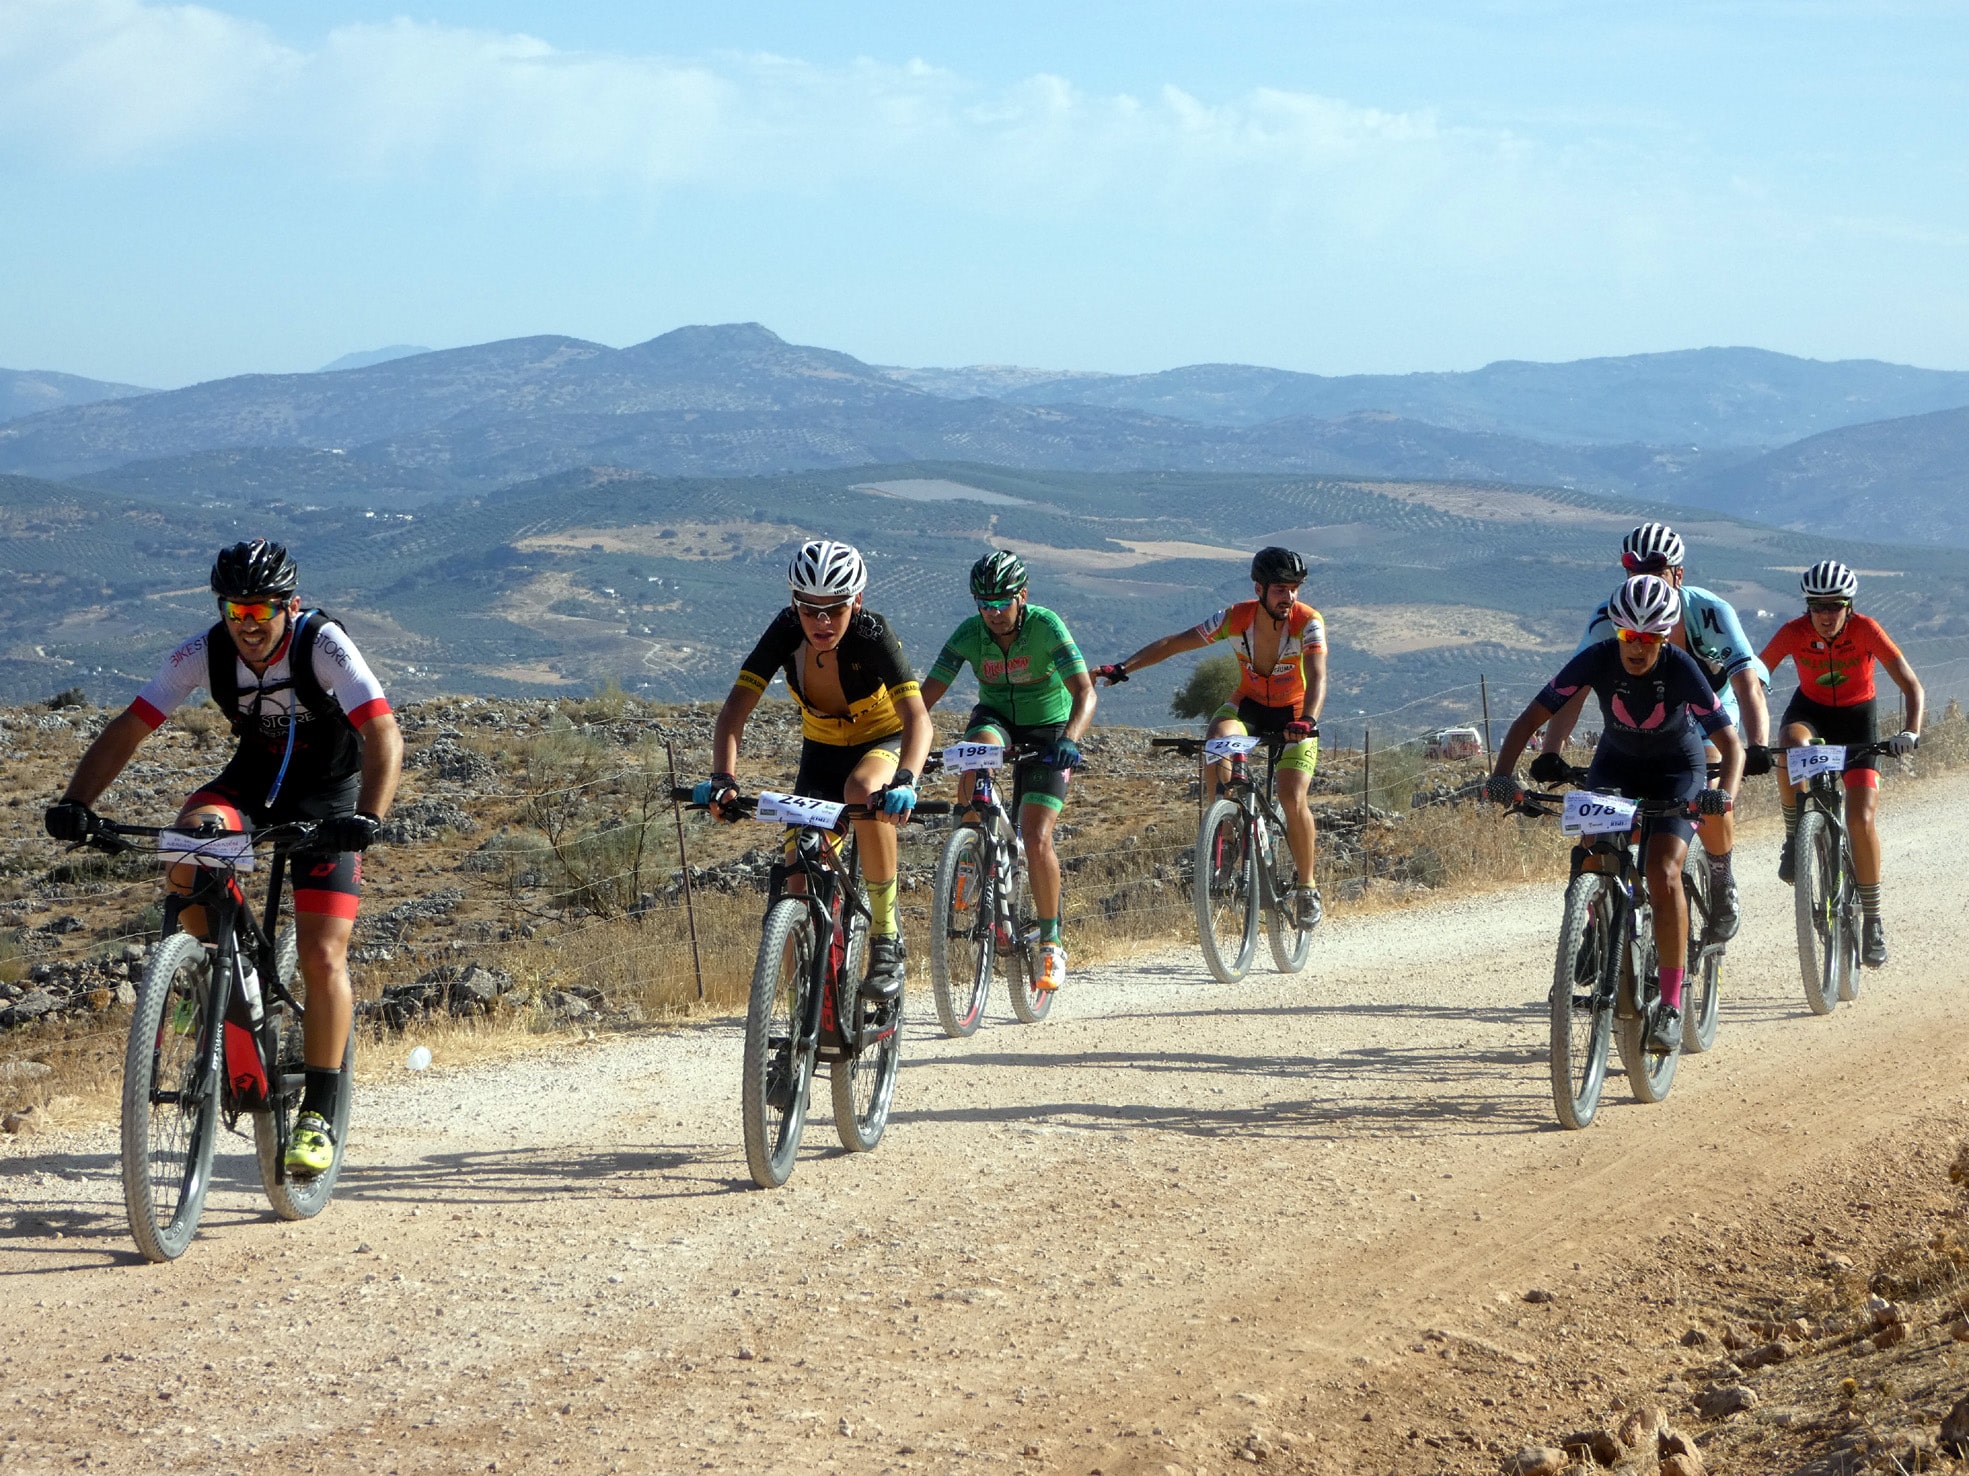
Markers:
<point>1209,687</point>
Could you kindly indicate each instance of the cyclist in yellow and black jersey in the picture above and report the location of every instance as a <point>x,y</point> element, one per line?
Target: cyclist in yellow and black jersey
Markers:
<point>864,729</point>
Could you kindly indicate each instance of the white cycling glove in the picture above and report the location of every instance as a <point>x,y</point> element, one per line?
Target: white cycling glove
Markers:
<point>1904,742</point>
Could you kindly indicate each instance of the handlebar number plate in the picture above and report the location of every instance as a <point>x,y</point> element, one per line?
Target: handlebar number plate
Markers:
<point>962,756</point>
<point>234,850</point>
<point>796,809</point>
<point>1813,759</point>
<point>1223,748</point>
<point>1587,813</point>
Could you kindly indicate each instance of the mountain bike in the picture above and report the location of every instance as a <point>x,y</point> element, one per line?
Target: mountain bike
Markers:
<point>1825,889</point>
<point>1242,864</point>
<point>1606,983</point>
<point>806,1004</point>
<point>982,909</point>
<point>216,1033</point>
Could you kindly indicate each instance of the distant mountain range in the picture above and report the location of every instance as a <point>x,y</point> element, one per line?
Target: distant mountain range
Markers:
<point>1712,427</point>
<point>374,356</point>
<point>32,391</point>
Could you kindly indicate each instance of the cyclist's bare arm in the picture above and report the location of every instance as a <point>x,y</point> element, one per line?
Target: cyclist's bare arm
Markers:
<point>106,757</point>
<point>916,732</point>
<point>1751,706</point>
<point>1560,727</point>
<point>1914,698</point>
<point>933,691</point>
<point>1527,723</point>
<point>382,764</point>
<point>1162,650</point>
<point>1729,744</point>
<point>739,703</point>
<point>1313,664</point>
<point>1080,686</point>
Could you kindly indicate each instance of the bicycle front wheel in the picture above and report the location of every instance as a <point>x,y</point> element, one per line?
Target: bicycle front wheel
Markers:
<point>1822,944</point>
<point>291,1198</point>
<point>960,933</point>
<point>1291,944</point>
<point>1700,994</point>
<point>1029,1003</point>
<point>777,1072</point>
<point>170,1098</point>
<point>1582,999</point>
<point>1224,884</point>
<point>1650,1073</point>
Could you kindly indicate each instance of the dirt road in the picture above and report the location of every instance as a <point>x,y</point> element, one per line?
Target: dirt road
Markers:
<point>1125,1240</point>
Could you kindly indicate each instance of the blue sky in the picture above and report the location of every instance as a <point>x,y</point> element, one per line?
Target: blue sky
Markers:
<point>195,191</point>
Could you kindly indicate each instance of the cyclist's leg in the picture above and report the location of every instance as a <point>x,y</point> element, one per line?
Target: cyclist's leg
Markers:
<point>876,842</point>
<point>1666,851</point>
<point>1855,726</point>
<point>1794,730</point>
<point>985,726</point>
<point>218,802</point>
<point>1042,795</point>
<point>1224,723</point>
<point>1295,787</point>
<point>327,890</point>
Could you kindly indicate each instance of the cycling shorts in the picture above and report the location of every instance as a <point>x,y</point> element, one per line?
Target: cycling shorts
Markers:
<point>1651,777</point>
<point>1254,718</point>
<point>1852,726</point>
<point>325,882</point>
<point>1033,783</point>
<point>826,767</point>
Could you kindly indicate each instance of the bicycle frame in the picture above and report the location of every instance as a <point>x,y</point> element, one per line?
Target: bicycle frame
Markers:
<point>998,836</point>
<point>832,889</point>
<point>1258,800</point>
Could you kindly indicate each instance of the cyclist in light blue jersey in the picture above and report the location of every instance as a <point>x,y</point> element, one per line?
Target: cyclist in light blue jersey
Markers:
<point>1711,633</point>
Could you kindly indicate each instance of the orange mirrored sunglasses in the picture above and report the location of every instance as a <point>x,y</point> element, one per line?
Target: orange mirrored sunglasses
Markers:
<point>257,611</point>
<point>1641,637</point>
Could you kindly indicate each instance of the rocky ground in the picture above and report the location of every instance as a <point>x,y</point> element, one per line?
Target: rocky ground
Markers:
<point>1313,1224</point>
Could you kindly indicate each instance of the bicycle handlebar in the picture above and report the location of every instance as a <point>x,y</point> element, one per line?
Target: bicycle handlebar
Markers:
<point>115,837</point>
<point>1192,747</point>
<point>747,804</point>
<point>1022,754</point>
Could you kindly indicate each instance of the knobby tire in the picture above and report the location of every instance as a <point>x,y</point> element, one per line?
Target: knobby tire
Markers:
<point>167,1145</point>
<point>292,1198</point>
<point>1224,885</point>
<point>961,933</point>
<point>1816,899</point>
<point>777,1075</point>
<point>1701,992</point>
<point>1029,1003</point>
<point>1291,944</point>
<point>1582,999</point>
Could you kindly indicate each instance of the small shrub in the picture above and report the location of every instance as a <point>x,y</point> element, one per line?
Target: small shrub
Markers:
<point>73,697</point>
<point>1209,687</point>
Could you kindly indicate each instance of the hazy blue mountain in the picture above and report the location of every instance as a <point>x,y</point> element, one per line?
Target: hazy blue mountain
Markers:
<point>1715,397</point>
<point>30,391</point>
<point>1903,479</point>
<point>987,381</point>
<point>373,356</point>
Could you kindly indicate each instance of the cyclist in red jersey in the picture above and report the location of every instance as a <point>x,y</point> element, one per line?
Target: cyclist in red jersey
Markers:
<point>1281,655</point>
<point>1835,651</point>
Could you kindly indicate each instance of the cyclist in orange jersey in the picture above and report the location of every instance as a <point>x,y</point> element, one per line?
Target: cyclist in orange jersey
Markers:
<point>1835,650</point>
<point>1281,655</point>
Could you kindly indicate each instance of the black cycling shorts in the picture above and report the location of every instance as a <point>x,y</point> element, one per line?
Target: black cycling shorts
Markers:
<point>328,882</point>
<point>1657,777</point>
<point>1033,782</point>
<point>1851,726</point>
<point>825,767</point>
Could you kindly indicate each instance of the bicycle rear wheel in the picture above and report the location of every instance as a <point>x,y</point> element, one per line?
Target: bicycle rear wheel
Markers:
<point>1650,1073</point>
<point>777,1073</point>
<point>170,1115</point>
<point>1582,999</point>
<point>1849,931</point>
<point>1029,1004</point>
<point>1700,994</point>
<point>1822,945</point>
<point>960,933</point>
<point>291,1198</point>
<point>1291,944</point>
<point>1224,884</point>
<point>864,1084</point>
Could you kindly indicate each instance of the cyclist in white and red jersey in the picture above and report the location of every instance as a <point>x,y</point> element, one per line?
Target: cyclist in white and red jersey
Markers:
<point>317,741</point>
<point>1280,646</point>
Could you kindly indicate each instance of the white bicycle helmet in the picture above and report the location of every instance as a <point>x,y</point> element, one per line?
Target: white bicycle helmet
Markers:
<point>823,567</point>
<point>1649,542</point>
<point>1647,603</point>
<point>1829,580</point>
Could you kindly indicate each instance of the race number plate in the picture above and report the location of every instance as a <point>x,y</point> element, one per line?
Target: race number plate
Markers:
<point>961,756</point>
<point>795,809</point>
<point>234,849</point>
<point>1596,814</point>
<point>1223,748</point>
<point>1813,759</point>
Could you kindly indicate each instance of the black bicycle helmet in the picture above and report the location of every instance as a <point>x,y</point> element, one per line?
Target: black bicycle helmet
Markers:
<point>257,568</point>
<point>1276,565</point>
<point>999,575</point>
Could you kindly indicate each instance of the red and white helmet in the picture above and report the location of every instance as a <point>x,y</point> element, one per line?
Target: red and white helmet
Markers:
<point>824,568</point>
<point>1646,603</point>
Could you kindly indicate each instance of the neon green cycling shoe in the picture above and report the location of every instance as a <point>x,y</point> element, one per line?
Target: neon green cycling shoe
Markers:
<point>311,1149</point>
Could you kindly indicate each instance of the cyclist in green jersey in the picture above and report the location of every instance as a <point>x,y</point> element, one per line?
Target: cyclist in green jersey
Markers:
<point>1033,687</point>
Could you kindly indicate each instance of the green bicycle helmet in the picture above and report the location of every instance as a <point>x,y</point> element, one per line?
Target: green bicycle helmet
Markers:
<point>999,575</point>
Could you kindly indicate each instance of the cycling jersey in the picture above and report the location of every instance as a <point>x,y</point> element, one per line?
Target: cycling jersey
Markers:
<point>1655,714</point>
<point>323,753</point>
<point>1285,684</point>
<point>874,673</point>
<point>1715,637</point>
<point>1834,673</point>
<point>1025,683</point>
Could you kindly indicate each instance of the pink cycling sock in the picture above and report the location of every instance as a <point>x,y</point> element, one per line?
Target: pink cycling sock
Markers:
<point>1671,987</point>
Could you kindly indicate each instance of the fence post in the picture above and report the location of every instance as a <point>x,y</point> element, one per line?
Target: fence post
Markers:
<point>684,863</point>
<point>1483,686</point>
<point>1367,760</point>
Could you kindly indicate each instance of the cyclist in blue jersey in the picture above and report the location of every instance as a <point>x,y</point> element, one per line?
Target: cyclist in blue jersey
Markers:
<point>1710,632</point>
<point>1658,707</point>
